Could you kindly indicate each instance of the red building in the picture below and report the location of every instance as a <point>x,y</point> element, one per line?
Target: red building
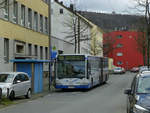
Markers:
<point>125,49</point>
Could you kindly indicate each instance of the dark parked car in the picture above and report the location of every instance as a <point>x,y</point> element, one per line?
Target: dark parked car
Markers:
<point>138,96</point>
<point>135,69</point>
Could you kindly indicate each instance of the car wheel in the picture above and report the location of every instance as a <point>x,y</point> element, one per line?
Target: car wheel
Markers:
<point>12,95</point>
<point>28,95</point>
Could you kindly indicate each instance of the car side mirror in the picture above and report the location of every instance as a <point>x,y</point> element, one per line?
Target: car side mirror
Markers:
<point>127,91</point>
<point>18,81</point>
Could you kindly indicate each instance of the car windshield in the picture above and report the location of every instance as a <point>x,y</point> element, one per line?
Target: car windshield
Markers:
<point>6,78</point>
<point>71,69</point>
<point>144,85</point>
<point>118,68</point>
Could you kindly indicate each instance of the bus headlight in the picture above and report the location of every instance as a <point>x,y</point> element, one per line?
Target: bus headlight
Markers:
<point>58,82</point>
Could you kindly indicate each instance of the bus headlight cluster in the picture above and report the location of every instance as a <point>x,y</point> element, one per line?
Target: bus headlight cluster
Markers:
<point>58,82</point>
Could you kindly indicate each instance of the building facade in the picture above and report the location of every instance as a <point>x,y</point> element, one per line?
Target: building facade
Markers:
<point>96,41</point>
<point>125,49</point>
<point>62,29</point>
<point>24,31</point>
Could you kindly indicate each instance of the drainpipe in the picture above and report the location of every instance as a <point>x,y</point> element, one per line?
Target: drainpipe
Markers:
<point>49,36</point>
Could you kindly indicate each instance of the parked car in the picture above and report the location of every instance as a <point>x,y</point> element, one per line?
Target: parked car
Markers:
<point>15,84</point>
<point>143,68</point>
<point>119,70</point>
<point>138,96</point>
<point>135,69</point>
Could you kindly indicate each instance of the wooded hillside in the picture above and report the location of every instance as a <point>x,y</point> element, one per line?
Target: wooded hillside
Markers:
<point>109,22</point>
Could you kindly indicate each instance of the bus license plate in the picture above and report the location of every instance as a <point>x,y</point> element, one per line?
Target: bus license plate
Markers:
<point>70,87</point>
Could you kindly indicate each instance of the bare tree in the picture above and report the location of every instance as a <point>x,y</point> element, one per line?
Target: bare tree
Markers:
<point>96,44</point>
<point>144,7</point>
<point>108,44</point>
<point>141,39</point>
<point>76,30</point>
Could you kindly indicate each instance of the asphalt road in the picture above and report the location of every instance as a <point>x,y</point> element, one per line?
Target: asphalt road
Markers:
<point>108,98</point>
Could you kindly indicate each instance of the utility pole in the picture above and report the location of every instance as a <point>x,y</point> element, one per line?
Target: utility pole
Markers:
<point>78,35</point>
<point>49,36</point>
<point>147,17</point>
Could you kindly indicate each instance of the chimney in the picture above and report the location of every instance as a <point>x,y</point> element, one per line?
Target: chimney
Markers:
<point>71,7</point>
<point>61,2</point>
<point>79,12</point>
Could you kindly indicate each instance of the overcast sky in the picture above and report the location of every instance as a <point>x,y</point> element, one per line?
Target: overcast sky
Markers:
<point>119,6</point>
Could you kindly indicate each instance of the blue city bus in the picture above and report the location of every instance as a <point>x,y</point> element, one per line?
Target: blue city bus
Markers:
<point>80,71</point>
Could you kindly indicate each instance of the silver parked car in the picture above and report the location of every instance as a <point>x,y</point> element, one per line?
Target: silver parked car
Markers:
<point>15,84</point>
<point>119,70</point>
<point>143,68</point>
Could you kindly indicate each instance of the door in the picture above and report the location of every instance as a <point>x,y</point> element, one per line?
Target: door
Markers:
<point>131,98</point>
<point>25,83</point>
<point>17,86</point>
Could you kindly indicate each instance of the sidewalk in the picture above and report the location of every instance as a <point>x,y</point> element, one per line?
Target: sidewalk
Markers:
<point>23,99</point>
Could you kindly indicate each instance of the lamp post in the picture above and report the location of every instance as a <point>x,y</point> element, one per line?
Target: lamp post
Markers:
<point>49,44</point>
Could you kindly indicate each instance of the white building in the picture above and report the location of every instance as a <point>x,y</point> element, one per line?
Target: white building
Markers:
<point>62,32</point>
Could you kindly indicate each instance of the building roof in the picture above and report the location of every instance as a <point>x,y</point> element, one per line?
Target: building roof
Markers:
<point>79,15</point>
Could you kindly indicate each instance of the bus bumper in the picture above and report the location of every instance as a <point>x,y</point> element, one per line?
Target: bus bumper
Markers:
<point>73,86</point>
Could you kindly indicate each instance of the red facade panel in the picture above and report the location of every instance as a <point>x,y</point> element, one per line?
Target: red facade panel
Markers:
<point>125,52</point>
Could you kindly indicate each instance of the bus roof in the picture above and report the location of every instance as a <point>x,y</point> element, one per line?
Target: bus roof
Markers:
<point>86,55</point>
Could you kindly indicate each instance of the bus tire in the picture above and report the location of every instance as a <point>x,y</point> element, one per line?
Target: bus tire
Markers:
<point>91,82</point>
<point>99,80</point>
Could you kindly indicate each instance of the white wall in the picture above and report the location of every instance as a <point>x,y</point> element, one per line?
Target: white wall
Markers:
<point>58,29</point>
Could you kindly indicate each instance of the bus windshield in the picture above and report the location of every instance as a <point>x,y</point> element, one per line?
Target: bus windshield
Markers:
<point>71,69</point>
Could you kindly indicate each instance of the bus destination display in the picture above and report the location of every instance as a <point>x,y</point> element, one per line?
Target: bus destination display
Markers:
<point>71,57</point>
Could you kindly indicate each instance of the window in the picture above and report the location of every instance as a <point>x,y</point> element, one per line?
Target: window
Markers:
<point>41,23</point>
<point>29,18</point>
<point>6,9</point>
<point>119,36</point>
<point>119,63</point>
<point>119,54</point>
<point>15,12</point>
<point>61,11</point>
<point>20,48</point>
<point>36,50</point>
<point>41,52</point>
<point>23,15</point>
<point>46,52</point>
<point>130,36</point>
<point>46,25</point>
<point>16,79</point>
<point>30,49</point>
<point>23,77</point>
<point>119,45</point>
<point>35,21</point>
<point>6,50</point>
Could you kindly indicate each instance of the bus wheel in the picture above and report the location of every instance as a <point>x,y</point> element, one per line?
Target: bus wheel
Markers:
<point>99,80</point>
<point>92,83</point>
